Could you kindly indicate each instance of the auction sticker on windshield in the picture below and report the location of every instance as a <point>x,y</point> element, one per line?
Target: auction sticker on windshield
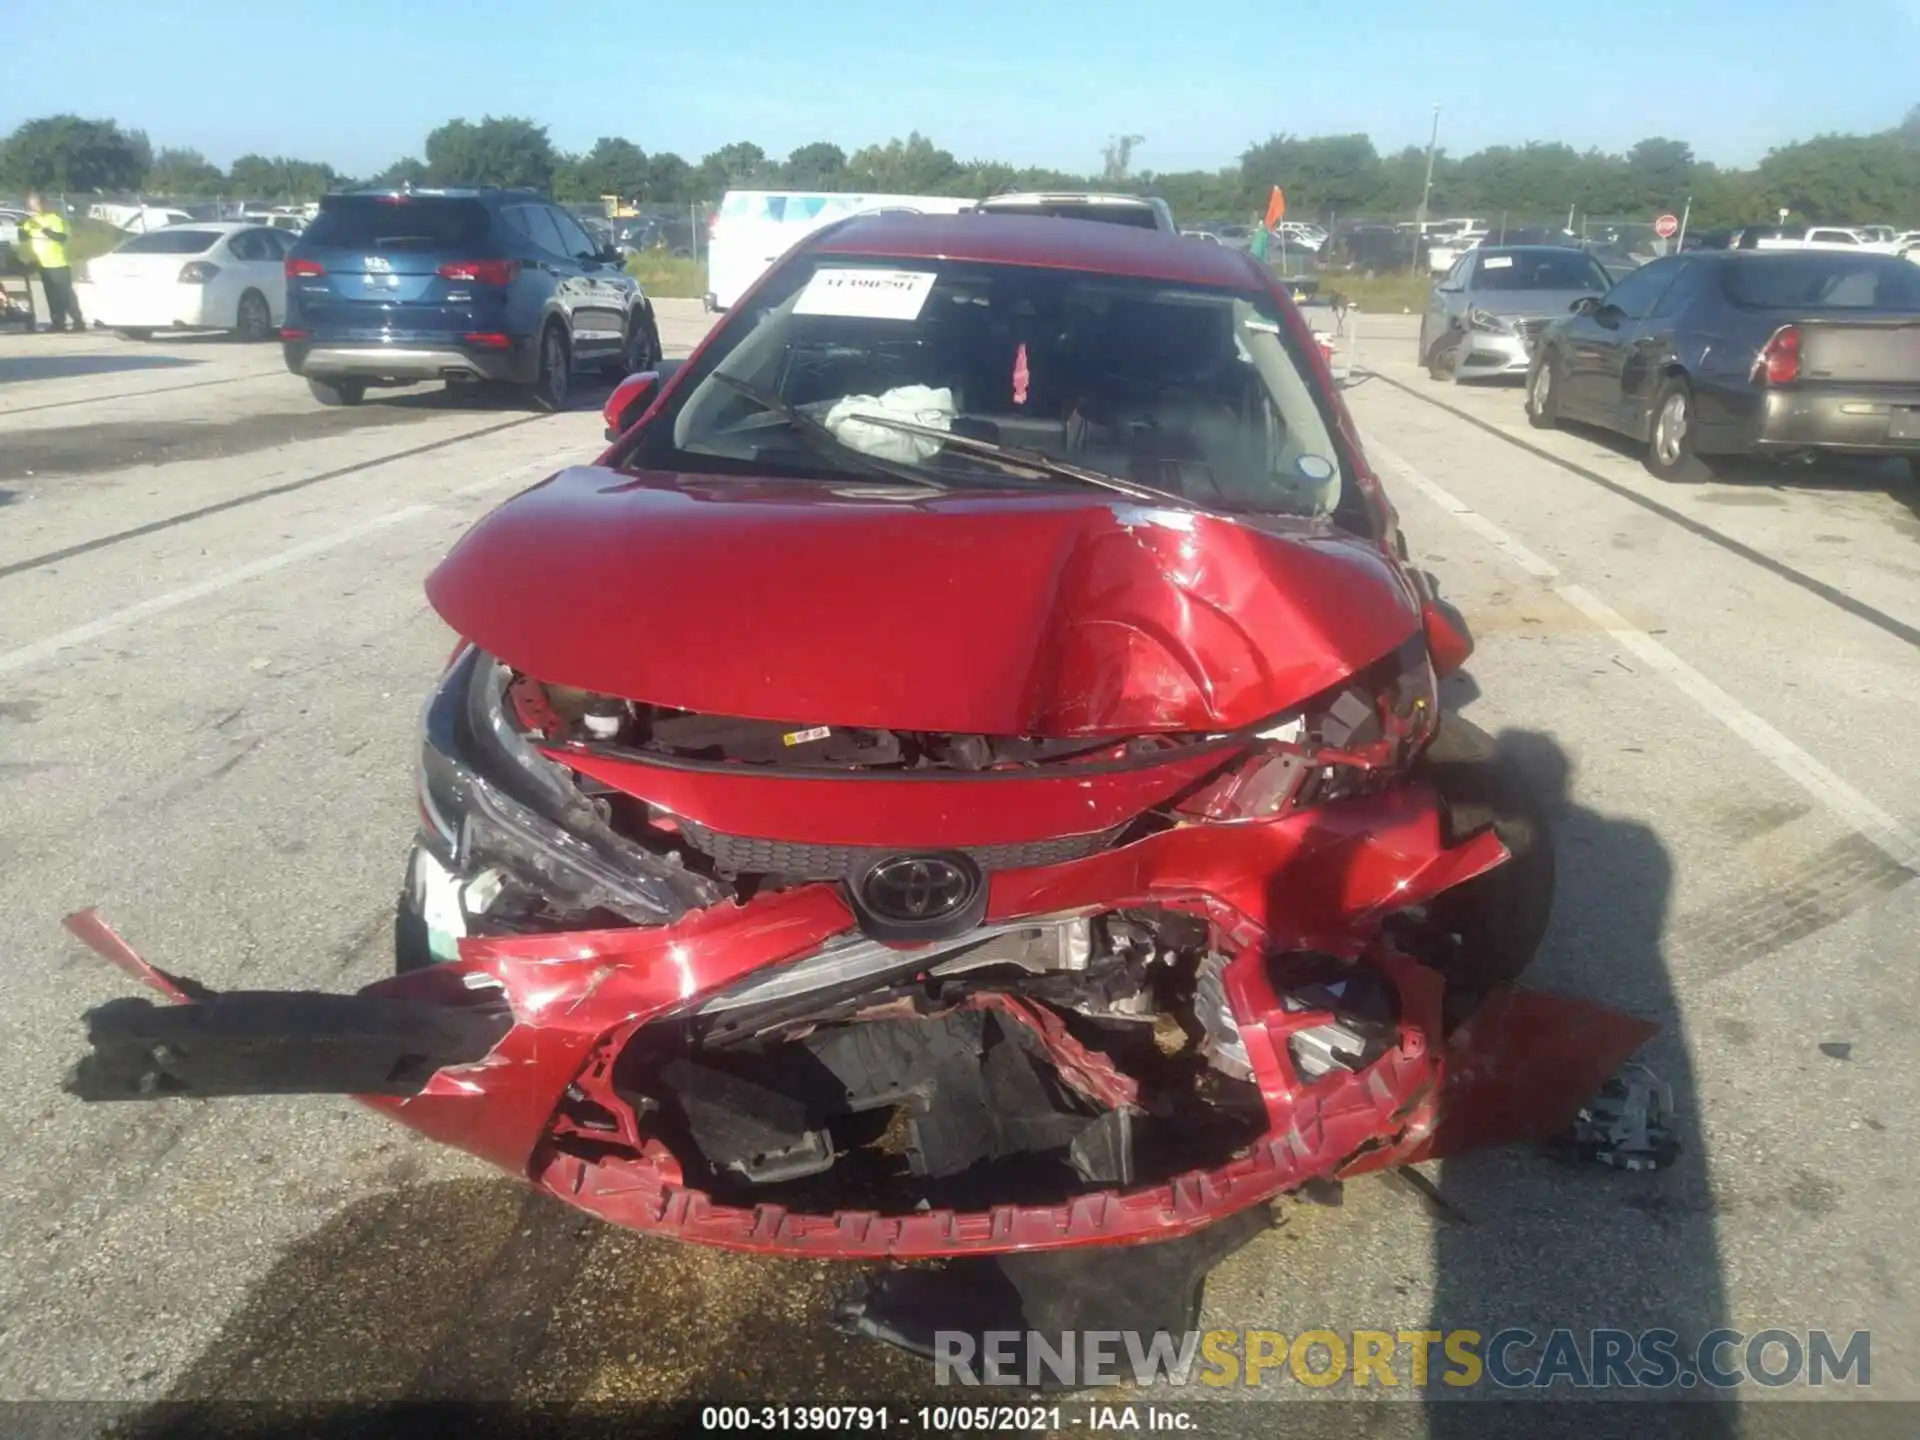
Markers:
<point>866,294</point>
<point>1497,262</point>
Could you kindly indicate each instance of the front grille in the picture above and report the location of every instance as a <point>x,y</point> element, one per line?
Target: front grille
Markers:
<point>748,855</point>
<point>1530,331</point>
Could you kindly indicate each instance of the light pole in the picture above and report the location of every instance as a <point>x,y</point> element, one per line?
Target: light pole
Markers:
<point>1426,193</point>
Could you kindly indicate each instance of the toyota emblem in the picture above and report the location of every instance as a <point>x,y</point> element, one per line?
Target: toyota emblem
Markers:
<point>919,889</point>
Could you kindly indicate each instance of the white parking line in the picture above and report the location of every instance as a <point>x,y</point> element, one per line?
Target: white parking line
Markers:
<point>1873,824</point>
<point>40,651</point>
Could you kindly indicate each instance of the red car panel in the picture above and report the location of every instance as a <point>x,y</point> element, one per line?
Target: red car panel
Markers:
<point>995,615</point>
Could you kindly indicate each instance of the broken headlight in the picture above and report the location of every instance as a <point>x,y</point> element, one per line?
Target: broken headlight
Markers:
<point>489,799</point>
<point>1348,740</point>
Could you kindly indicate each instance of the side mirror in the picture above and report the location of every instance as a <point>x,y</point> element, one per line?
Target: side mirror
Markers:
<point>629,401</point>
<point>633,396</point>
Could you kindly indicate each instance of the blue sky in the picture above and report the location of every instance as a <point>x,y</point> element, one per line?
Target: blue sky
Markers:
<point>358,83</point>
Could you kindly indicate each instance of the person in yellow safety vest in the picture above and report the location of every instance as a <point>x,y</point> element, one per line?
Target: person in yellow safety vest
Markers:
<point>45,232</point>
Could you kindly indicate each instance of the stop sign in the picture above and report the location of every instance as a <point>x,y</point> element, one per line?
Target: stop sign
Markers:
<point>1665,226</point>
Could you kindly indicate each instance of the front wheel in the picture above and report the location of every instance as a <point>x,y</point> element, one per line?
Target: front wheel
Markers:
<point>1543,394</point>
<point>338,392</point>
<point>1501,917</point>
<point>643,346</point>
<point>1670,452</point>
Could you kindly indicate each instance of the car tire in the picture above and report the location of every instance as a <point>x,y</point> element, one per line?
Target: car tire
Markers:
<point>1435,369</point>
<point>643,346</point>
<point>253,319</point>
<point>140,334</point>
<point>1670,452</point>
<point>1913,468</point>
<point>1500,917</point>
<point>338,392</point>
<point>553,370</point>
<point>1543,393</point>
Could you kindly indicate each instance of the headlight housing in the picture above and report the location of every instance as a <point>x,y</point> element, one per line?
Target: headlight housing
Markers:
<point>1354,739</point>
<point>489,799</point>
<point>1486,320</point>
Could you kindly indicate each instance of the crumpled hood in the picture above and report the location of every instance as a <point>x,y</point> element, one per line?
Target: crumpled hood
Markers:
<point>999,614</point>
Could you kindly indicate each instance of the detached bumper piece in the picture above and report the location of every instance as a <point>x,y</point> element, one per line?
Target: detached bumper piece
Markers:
<point>205,1043</point>
<point>277,1043</point>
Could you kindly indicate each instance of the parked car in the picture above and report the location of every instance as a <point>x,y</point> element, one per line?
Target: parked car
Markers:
<point>499,287</point>
<point>962,775</point>
<point>1147,212</point>
<point>1483,315</point>
<point>1444,253</point>
<point>1768,353</point>
<point>754,228</point>
<point>190,277</point>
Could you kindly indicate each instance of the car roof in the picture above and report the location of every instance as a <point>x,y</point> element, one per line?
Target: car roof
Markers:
<point>1484,250</point>
<point>435,192</point>
<point>225,227</point>
<point>1041,240</point>
<point>1056,197</point>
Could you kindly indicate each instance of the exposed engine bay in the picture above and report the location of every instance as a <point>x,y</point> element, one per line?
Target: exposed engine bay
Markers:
<point>1029,1063</point>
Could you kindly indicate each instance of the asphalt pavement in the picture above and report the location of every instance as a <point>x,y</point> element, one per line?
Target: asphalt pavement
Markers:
<point>213,652</point>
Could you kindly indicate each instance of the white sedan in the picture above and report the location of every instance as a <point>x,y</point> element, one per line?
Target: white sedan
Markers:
<point>191,277</point>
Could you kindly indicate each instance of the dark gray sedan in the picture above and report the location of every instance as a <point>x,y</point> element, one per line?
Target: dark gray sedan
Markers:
<point>1782,353</point>
<point>1485,312</point>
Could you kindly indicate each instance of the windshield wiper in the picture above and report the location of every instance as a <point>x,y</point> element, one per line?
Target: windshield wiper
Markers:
<point>1035,462</point>
<point>823,438</point>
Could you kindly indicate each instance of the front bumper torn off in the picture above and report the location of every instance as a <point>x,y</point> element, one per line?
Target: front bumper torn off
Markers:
<point>541,1053</point>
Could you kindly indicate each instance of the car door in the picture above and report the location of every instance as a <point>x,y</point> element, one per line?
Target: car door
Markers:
<point>1655,341</point>
<point>1595,343</point>
<point>602,294</point>
<point>547,258</point>
<point>1446,305</point>
<point>258,260</point>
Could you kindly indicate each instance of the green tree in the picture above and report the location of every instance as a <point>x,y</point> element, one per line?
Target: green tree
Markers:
<point>404,171</point>
<point>819,166</point>
<point>613,167</point>
<point>914,166</point>
<point>1197,195</point>
<point>1659,173</point>
<point>276,177</point>
<point>1837,178</point>
<point>1318,173</point>
<point>741,165</point>
<point>183,172</point>
<point>65,152</point>
<point>507,151</point>
<point>670,180</point>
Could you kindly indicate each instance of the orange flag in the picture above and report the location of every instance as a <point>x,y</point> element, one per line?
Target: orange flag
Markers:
<point>1276,207</point>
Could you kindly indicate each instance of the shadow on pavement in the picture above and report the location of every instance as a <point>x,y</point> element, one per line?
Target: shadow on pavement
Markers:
<point>1542,1245</point>
<point>55,366</point>
<point>483,1291</point>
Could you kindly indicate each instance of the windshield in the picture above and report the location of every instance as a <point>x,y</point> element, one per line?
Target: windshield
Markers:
<point>387,222</point>
<point>927,367</point>
<point>171,242</point>
<point>1811,280</point>
<point>1539,270</point>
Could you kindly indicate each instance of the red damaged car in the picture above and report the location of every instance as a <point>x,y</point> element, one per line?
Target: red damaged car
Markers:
<point>961,774</point>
